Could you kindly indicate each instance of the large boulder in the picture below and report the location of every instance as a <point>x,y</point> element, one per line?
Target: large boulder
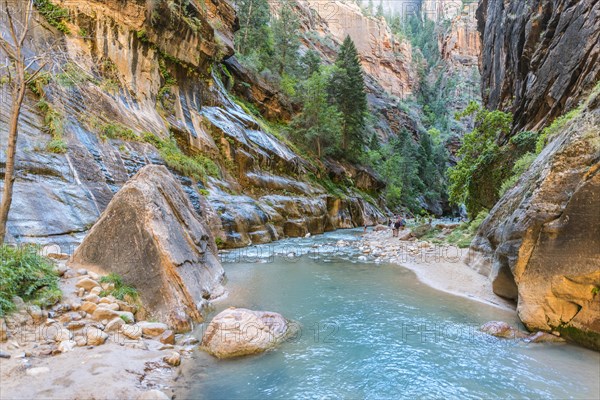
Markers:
<point>238,332</point>
<point>151,236</point>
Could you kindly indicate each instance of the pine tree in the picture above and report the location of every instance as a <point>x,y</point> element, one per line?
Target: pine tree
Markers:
<point>379,13</point>
<point>286,31</point>
<point>370,8</point>
<point>254,16</point>
<point>311,63</point>
<point>347,90</point>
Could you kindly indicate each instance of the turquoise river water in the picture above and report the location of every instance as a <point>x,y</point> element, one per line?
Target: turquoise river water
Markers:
<point>374,331</point>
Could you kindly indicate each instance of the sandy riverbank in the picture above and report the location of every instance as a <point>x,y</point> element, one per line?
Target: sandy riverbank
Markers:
<point>439,266</point>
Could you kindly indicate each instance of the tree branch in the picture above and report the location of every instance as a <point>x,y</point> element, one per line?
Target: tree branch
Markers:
<point>28,12</point>
<point>32,76</point>
<point>7,48</point>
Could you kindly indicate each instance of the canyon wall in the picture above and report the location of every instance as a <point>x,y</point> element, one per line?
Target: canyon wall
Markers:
<point>385,58</point>
<point>540,244</point>
<point>540,57</point>
<point>390,71</point>
<point>138,83</point>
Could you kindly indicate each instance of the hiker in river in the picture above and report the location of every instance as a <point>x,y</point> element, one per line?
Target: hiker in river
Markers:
<point>397,226</point>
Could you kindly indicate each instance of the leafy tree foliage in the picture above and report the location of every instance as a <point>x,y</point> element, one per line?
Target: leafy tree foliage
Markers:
<point>318,126</point>
<point>413,170</point>
<point>254,34</point>
<point>379,12</point>
<point>310,63</point>
<point>477,145</point>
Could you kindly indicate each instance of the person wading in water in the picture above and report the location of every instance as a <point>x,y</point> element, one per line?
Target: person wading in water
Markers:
<point>397,226</point>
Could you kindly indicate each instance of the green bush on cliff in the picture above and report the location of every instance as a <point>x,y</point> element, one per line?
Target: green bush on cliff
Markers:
<point>521,165</point>
<point>115,130</point>
<point>38,83</point>
<point>55,15</point>
<point>555,127</point>
<point>72,75</point>
<point>54,125</point>
<point>197,167</point>
<point>479,146</point>
<point>25,273</point>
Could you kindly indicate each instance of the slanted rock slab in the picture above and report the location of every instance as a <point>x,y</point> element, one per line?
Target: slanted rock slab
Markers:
<point>238,332</point>
<point>151,236</point>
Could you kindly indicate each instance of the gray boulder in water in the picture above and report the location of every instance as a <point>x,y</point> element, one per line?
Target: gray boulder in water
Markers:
<point>151,236</point>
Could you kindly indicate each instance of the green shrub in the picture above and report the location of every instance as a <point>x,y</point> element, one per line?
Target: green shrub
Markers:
<point>525,139</point>
<point>462,236</point>
<point>56,146</point>
<point>142,36</point>
<point>115,130</point>
<point>197,167</point>
<point>25,273</point>
<point>521,165</point>
<point>72,75</point>
<point>54,125</point>
<point>120,290</point>
<point>37,84</point>
<point>479,146</point>
<point>555,127</point>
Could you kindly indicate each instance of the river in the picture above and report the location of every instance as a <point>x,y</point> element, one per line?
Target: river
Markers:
<point>374,331</point>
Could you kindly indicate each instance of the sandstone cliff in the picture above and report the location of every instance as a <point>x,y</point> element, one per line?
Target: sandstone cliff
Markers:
<point>540,244</point>
<point>540,57</point>
<point>386,59</point>
<point>541,241</point>
<point>461,44</point>
<point>140,83</point>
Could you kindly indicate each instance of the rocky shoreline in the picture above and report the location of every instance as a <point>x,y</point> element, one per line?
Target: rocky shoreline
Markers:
<point>89,345</point>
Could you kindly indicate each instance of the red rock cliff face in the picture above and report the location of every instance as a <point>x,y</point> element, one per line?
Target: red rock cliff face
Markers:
<point>385,58</point>
<point>462,45</point>
<point>539,56</point>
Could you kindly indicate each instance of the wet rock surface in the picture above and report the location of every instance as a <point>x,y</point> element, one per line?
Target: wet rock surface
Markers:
<point>58,197</point>
<point>540,57</point>
<point>540,244</point>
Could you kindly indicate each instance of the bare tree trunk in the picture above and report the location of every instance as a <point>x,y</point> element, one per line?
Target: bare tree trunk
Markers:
<point>14,51</point>
<point>9,173</point>
<point>319,148</point>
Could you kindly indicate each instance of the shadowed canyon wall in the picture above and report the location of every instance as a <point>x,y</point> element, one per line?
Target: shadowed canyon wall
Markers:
<point>540,245</point>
